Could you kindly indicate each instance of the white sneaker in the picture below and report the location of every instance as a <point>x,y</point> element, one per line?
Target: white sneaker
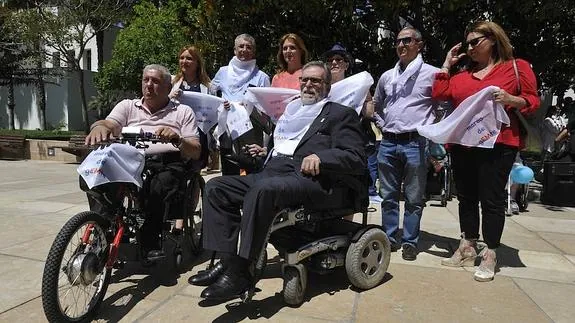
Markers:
<point>486,270</point>
<point>514,207</point>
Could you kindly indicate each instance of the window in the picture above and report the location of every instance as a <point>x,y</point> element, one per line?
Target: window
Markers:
<point>88,59</point>
<point>56,59</point>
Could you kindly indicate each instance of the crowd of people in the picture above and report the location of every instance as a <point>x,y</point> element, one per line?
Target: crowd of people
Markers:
<point>321,143</point>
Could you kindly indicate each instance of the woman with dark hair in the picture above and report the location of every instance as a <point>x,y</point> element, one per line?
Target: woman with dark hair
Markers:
<point>480,173</point>
<point>292,55</point>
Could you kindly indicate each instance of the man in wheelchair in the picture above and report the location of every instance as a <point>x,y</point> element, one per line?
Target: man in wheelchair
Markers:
<point>316,145</point>
<point>167,162</point>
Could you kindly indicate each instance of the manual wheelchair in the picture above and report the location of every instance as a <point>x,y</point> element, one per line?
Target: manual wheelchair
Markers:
<point>326,241</point>
<point>79,264</point>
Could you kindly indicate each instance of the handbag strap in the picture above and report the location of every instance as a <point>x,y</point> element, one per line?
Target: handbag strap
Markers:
<point>517,76</point>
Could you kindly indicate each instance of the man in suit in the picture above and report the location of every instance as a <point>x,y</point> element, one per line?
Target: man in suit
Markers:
<point>316,143</point>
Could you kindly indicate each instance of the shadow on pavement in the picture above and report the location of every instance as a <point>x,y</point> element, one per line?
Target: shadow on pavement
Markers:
<point>330,284</point>
<point>445,246</point>
<point>164,273</point>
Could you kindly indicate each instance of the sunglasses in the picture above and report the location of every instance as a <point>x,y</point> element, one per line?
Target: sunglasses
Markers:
<point>313,80</point>
<point>405,41</point>
<point>336,59</point>
<point>474,42</point>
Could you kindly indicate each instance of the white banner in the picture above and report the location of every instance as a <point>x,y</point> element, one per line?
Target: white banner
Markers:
<point>351,91</point>
<point>476,122</point>
<point>205,108</point>
<point>113,163</point>
<point>270,100</point>
<point>237,119</point>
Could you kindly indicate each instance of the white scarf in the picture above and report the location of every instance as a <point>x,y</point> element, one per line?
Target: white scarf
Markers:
<point>239,73</point>
<point>476,122</point>
<point>293,124</point>
<point>399,79</point>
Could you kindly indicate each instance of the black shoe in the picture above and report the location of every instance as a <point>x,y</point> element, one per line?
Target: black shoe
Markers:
<point>227,287</point>
<point>395,246</point>
<point>155,255</point>
<point>409,252</point>
<point>208,276</point>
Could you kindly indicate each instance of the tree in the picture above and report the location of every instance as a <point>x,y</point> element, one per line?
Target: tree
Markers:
<point>17,64</point>
<point>153,35</point>
<point>65,25</point>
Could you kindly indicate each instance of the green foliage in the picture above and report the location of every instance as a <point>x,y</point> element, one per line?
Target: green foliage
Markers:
<point>154,35</point>
<point>541,31</point>
<point>41,134</point>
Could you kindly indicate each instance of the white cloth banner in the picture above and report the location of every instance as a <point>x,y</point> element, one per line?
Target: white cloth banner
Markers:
<point>351,91</point>
<point>476,122</point>
<point>111,164</point>
<point>293,125</point>
<point>270,100</point>
<point>205,108</point>
<point>236,119</point>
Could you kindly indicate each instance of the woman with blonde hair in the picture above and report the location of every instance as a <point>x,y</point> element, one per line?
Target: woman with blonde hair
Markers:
<point>292,55</point>
<point>191,74</point>
<point>481,173</point>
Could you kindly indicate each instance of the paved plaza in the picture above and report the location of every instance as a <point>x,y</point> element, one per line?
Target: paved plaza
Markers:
<point>535,281</point>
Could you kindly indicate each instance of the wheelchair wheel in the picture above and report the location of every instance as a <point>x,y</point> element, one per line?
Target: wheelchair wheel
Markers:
<point>193,214</point>
<point>75,277</point>
<point>367,259</point>
<point>294,285</point>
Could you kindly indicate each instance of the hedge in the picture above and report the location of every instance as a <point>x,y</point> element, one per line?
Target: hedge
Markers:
<point>41,134</point>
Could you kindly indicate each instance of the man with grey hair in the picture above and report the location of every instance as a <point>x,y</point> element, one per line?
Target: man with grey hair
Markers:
<point>402,103</point>
<point>176,125</point>
<point>232,81</point>
<point>316,145</point>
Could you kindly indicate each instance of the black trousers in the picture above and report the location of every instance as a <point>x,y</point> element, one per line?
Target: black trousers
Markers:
<point>260,196</point>
<point>480,175</point>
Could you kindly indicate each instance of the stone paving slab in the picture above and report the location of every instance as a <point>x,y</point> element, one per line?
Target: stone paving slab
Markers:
<point>535,281</point>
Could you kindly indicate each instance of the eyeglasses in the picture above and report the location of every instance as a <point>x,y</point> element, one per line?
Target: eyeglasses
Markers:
<point>313,80</point>
<point>405,41</point>
<point>474,42</point>
<point>336,59</point>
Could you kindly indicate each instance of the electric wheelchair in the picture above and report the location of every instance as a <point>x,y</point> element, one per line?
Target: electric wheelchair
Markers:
<point>325,241</point>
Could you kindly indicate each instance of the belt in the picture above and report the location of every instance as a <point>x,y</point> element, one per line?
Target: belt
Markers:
<point>404,136</point>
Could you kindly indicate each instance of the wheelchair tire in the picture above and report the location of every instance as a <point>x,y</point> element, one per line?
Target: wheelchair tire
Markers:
<point>72,264</point>
<point>294,286</point>
<point>367,259</point>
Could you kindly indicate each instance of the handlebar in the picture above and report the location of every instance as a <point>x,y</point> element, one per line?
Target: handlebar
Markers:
<point>137,140</point>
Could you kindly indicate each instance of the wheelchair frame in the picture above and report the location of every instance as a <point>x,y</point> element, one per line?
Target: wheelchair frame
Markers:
<point>343,246</point>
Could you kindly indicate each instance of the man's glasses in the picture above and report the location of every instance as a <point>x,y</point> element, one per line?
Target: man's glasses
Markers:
<point>405,41</point>
<point>313,80</point>
<point>474,42</point>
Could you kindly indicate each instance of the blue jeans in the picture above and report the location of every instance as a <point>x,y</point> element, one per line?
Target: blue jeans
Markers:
<point>402,160</point>
<point>372,166</point>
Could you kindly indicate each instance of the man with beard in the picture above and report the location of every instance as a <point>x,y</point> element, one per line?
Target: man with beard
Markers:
<point>232,81</point>
<point>316,143</point>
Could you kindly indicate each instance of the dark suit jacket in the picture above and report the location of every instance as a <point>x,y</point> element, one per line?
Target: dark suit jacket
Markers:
<point>337,138</point>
